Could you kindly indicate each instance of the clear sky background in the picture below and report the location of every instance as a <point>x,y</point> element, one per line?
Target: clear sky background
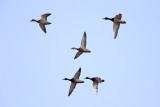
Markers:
<point>33,64</point>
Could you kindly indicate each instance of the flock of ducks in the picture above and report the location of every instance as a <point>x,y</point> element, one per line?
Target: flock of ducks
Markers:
<point>96,80</point>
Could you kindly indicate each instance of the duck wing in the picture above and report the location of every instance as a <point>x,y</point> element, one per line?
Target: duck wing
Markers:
<point>78,73</point>
<point>118,16</point>
<point>95,87</point>
<point>83,41</point>
<point>44,16</point>
<point>98,79</point>
<point>115,29</point>
<point>72,87</point>
<point>42,27</point>
<point>78,54</point>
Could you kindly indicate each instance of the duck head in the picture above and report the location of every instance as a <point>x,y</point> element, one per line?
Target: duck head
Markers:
<point>33,20</point>
<point>65,79</point>
<point>87,78</point>
<point>74,48</point>
<point>106,18</point>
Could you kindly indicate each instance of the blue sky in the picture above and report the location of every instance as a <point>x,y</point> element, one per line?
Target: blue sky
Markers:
<point>33,63</point>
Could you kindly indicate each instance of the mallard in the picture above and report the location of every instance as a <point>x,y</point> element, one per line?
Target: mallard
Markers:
<point>83,47</point>
<point>117,21</point>
<point>96,81</point>
<point>43,21</point>
<point>74,81</point>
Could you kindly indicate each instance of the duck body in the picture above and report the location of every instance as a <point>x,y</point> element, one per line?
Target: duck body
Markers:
<point>43,21</point>
<point>74,81</point>
<point>117,21</point>
<point>96,81</point>
<point>82,49</point>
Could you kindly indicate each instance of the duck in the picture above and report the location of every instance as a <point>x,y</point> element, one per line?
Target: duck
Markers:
<point>82,49</point>
<point>96,81</point>
<point>74,81</point>
<point>116,23</point>
<point>43,21</point>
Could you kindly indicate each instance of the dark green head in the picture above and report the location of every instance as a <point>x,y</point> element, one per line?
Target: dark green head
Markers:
<point>106,18</point>
<point>111,19</point>
<point>87,78</point>
<point>66,79</point>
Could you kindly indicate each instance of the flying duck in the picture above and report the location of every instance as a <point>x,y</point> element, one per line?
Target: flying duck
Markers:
<point>83,47</point>
<point>117,21</point>
<point>74,81</point>
<point>43,21</point>
<point>96,81</point>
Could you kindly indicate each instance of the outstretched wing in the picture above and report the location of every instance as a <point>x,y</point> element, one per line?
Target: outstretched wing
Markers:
<point>95,87</point>
<point>42,27</point>
<point>78,73</point>
<point>115,29</point>
<point>83,41</point>
<point>78,54</point>
<point>72,87</point>
<point>119,16</point>
<point>44,16</point>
